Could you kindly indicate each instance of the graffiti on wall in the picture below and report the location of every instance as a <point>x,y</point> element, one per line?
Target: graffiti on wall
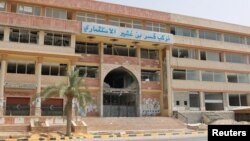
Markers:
<point>150,106</point>
<point>90,108</point>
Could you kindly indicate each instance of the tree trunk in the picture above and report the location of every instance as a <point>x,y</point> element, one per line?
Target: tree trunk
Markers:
<point>69,115</point>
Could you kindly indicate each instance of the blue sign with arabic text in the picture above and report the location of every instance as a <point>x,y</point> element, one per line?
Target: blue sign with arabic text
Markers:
<point>127,33</point>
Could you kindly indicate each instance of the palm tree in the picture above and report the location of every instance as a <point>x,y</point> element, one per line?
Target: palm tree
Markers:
<point>70,91</point>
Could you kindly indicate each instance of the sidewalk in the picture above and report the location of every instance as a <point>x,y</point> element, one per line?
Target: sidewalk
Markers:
<point>57,136</point>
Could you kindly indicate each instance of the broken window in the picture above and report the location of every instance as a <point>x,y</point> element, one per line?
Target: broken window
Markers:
<point>184,53</point>
<point>214,101</point>
<point>185,74</point>
<point>57,39</point>
<point>179,74</point>
<point>120,50</point>
<point>23,36</point>
<point>237,78</point>
<point>28,9</point>
<point>211,56</point>
<point>21,67</point>
<point>1,33</point>
<point>238,100</point>
<point>54,69</point>
<point>147,75</point>
<point>149,53</point>
<point>87,48</point>
<point>87,71</point>
<point>2,6</point>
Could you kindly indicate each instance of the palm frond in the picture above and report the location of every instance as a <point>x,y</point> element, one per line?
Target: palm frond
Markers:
<point>50,91</point>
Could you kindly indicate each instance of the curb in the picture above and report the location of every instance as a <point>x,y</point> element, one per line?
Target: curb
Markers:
<point>105,136</point>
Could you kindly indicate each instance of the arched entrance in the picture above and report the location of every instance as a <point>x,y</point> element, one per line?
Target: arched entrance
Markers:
<point>120,94</point>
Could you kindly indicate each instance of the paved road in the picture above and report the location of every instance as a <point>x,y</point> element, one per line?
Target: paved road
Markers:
<point>172,138</point>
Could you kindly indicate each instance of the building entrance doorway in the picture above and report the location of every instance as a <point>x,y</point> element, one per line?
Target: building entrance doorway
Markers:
<point>120,94</point>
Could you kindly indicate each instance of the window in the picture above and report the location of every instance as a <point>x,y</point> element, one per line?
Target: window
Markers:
<point>23,36</point>
<point>149,53</point>
<point>213,101</point>
<point>183,53</point>
<point>128,23</point>
<point>120,50</point>
<point>183,31</point>
<point>210,35</point>
<point>236,58</point>
<point>56,13</point>
<point>157,27</point>
<point>57,39</point>
<point>237,78</point>
<point>177,103</point>
<point>87,48</point>
<point>21,67</point>
<point>87,71</point>
<point>54,69</point>
<point>2,6</point>
<point>150,75</point>
<point>213,76</point>
<point>185,103</point>
<point>211,56</point>
<point>185,74</point>
<point>248,41</point>
<point>28,9</point>
<point>238,100</point>
<point>90,17</point>
<point>1,33</point>
<point>233,38</point>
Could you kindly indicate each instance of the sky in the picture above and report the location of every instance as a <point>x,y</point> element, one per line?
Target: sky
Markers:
<point>231,11</point>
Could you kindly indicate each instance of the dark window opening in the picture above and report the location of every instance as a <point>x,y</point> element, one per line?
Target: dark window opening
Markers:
<point>179,74</point>
<point>177,103</point>
<point>55,70</point>
<point>120,50</point>
<point>149,75</point>
<point>87,71</point>
<point>57,39</point>
<point>150,54</point>
<point>87,48</point>
<point>23,36</point>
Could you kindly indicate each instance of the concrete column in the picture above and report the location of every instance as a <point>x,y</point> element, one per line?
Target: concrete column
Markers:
<point>6,34</point>
<point>138,54</point>
<point>41,37</point>
<point>197,33</point>
<point>38,90</point>
<point>73,41</point>
<point>198,54</point>
<point>2,81</point>
<point>169,81</point>
<point>101,52</point>
<point>202,101</point>
<point>225,101</point>
<point>162,81</point>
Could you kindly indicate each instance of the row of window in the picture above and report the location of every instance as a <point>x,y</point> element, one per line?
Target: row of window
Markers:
<point>61,70</point>
<point>191,100</point>
<point>210,76</point>
<point>209,55</point>
<point>31,36</point>
<point>210,35</point>
<point>115,49</point>
<point>50,69</point>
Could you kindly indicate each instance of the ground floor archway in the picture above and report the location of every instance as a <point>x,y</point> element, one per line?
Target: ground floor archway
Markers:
<point>120,94</point>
